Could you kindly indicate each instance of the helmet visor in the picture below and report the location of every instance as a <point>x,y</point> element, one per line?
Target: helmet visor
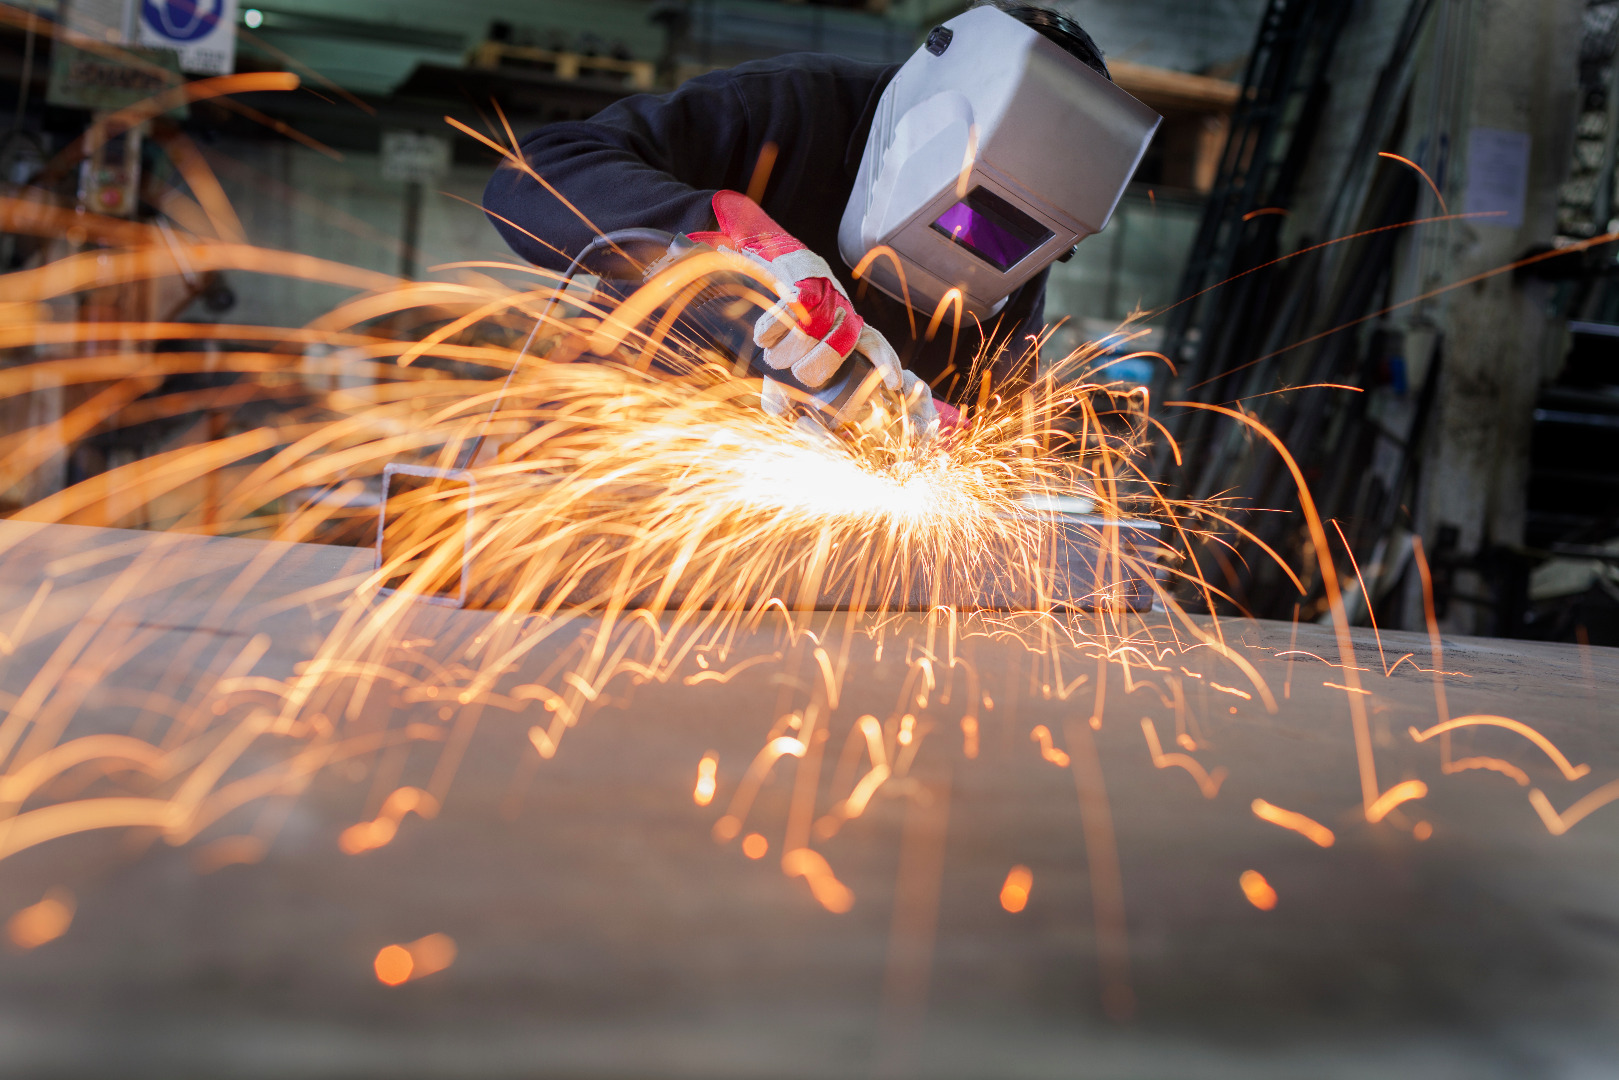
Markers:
<point>992,229</point>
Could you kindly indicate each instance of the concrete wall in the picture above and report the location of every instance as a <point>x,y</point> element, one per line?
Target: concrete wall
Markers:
<point>1500,343</point>
<point>1134,263</point>
<point>1209,34</point>
<point>293,199</point>
<point>1509,65</point>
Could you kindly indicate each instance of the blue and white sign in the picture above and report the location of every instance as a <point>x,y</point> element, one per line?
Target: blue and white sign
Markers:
<point>203,32</point>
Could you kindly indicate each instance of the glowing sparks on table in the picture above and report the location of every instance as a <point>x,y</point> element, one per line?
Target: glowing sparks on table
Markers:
<point>37,924</point>
<point>703,793</point>
<point>1309,828</point>
<point>397,964</point>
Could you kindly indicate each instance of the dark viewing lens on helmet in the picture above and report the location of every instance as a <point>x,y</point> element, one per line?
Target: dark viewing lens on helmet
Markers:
<point>992,228</point>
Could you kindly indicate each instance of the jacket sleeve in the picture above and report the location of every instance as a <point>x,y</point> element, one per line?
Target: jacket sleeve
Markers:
<point>644,162</point>
<point>1023,321</point>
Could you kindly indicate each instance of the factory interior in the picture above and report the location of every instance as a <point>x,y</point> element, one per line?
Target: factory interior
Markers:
<point>798,539</point>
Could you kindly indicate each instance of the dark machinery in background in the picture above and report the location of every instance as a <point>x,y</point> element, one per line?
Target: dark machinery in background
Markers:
<point>1254,327</point>
<point>1564,584</point>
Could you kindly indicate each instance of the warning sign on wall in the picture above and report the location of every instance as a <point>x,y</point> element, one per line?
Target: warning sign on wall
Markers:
<point>202,32</point>
<point>415,157</point>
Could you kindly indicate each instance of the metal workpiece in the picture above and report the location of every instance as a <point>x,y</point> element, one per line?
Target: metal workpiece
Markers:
<point>1156,859</point>
<point>1048,554</point>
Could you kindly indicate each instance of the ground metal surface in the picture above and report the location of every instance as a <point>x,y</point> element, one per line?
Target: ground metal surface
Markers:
<point>603,932</point>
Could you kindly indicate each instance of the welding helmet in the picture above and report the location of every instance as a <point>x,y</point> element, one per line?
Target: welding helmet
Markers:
<point>992,153</point>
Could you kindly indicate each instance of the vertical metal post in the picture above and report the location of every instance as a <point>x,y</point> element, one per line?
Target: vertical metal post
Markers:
<point>1602,204</point>
<point>1115,265</point>
<point>411,233</point>
<point>23,84</point>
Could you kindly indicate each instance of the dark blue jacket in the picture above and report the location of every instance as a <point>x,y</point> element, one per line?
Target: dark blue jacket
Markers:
<point>655,161</point>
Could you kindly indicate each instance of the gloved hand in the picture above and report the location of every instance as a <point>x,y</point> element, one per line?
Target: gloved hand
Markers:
<point>926,417</point>
<point>815,337</point>
<point>814,327</point>
<point>919,405</point>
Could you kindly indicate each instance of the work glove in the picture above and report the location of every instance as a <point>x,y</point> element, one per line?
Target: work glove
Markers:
<point>813,328</point>
<point>926,416</point>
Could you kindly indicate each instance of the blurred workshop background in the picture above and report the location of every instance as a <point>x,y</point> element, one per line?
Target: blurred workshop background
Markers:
<point>1486,355</point>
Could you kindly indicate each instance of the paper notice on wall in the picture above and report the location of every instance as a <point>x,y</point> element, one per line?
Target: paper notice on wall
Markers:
<point>85,75</point>
<point>414,157</point>
<point>103,20</point>
<point>201,32</point>
<point>1497,175</point>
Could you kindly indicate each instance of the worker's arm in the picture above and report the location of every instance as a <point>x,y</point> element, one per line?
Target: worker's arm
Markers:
<point>644,162</point>
<point>656,161</point>
<point>670,161</point>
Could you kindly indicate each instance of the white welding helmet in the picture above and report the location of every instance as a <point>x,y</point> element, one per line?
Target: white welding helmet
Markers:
<point>992,153</point>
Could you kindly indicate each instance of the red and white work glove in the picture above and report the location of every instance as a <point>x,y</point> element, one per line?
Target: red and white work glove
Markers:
<point>813,328</point>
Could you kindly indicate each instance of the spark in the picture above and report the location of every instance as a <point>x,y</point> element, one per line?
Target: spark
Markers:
<point>1394,796</point>
<point>1042,735</point>
<point>1558,824</point>
<point>398,964</point>
<point>1366,595</point>
<point>393,965</point>
<point>1505,768</point>
<point>1309,828</point>
<point>1531,260</point>
<point>969,736</point>
<point>1569,770</point>
<point>703,794</point>
<point>762,168</point>
<point>731,673</point>
<point>812,866</point>
<point>1365,758</point>
<point>1443,209</point>
<point>1015,891</point>
<point>1257,890</point>
<point>379,832</point>
<point>229,851</point>
<point>907,730</point>
<point>544,744</point>
<point>1208,783</point>
<point>38,924</point>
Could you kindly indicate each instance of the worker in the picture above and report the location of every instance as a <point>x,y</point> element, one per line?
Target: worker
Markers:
<point>950,183</point>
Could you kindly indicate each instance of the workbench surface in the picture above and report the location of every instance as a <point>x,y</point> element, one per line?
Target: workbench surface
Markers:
<point>603,932</point>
